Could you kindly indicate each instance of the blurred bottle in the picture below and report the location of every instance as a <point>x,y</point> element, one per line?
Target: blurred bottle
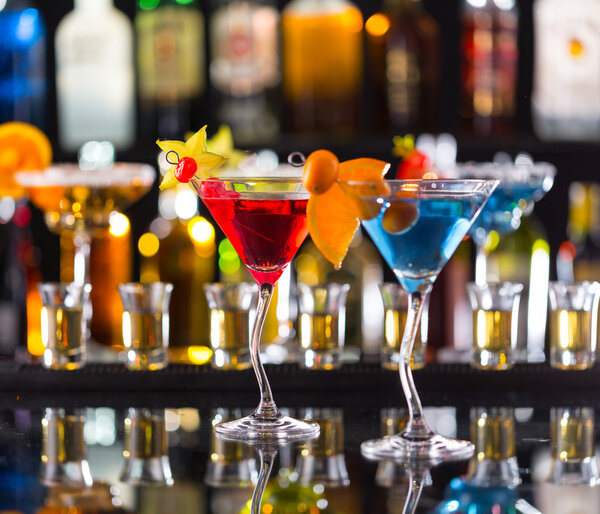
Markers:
<point>489,65</point>
<point>23,83</point>
<point>322,65</point>
<point>566,79</point>
<point>244,68</point>
<point>94,75</point>
<point>179,247</point>
<point>110,265</point>
<point>363,270</point>
<point>13,278</point>
<point>523,256</point>
<point>403,54</point>
<point>171,66</point>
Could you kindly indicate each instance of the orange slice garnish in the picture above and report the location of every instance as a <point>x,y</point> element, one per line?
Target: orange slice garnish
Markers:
<point>333,217</point>
<point>23,147</point>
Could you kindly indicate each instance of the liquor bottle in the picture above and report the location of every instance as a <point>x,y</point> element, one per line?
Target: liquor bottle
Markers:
<point>23,83</point>
<point>566,80</point>
<point>110,265</point>
<point>489,65</point>
<point>523,256</point>
<point>403,55</point>
<point>363,270</point>
<point>244,68</point>
<point>584,230</point>
<point>12,285</point>
<point>179,247</point>
<point>171,66</point>
<point>322,65</point>
<point>94,75</point>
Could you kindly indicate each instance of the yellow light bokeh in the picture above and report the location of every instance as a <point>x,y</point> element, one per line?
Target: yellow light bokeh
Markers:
<point>148,244</point>
<point>377,25</point>
<point>119,224</point>
<point>201,230</point>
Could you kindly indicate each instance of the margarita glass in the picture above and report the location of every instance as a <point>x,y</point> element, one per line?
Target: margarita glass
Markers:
<point>265,221</point>
<point>83,200</point>
<point>521,184</point>
<point>417,225</point>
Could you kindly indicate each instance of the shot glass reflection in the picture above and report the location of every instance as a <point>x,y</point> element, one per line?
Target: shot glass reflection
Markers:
<point>146,454</point>
<point>322,460</point>
<point>230,463</point>
<point>63,460</point>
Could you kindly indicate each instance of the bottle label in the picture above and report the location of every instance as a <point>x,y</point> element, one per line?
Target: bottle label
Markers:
<point>245,48</point>
<point>170,53</point>
<point>567,75</point>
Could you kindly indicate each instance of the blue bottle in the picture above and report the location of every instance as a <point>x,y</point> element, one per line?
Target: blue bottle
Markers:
<point>23,82</point>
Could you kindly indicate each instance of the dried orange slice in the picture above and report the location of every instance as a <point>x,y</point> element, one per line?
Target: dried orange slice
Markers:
<point>332,217</point>
<point>23,147</point>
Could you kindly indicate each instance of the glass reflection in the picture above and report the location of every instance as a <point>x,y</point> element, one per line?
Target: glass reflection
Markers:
<point>321,460</point>
<point>493,473</point>
<point>572,482</point>
<point>63,460</point>
<point>231,464</point>
<point>146,454</point>
<point>404,481</point>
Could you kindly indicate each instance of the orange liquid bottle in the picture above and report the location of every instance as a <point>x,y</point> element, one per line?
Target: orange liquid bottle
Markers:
<point>322,65</point>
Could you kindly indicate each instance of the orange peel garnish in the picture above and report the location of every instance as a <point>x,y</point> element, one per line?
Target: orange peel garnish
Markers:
<point>333,216</point>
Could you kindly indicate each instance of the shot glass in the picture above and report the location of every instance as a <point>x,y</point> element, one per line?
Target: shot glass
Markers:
<point>146,452</point>
<point>63,325</point>
<point>146,324</point>
<point>395,305</point>
<point>232,311</point>
<point>495,309</point>
<point>573,324</point>
<point>322,324</point>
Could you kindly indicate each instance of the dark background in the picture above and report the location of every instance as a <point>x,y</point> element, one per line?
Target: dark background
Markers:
<point>573,161</point>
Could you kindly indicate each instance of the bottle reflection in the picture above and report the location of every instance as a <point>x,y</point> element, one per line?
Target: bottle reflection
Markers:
<point>146,453</point>
<point>322,460</point>
<point>231,464</point>
<point>63,457</point>
<point>493,473</point>
<point>571,485</point>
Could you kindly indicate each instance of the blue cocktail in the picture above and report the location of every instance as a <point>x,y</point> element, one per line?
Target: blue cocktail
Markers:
<point>520,186</point>
<point>417,225</point>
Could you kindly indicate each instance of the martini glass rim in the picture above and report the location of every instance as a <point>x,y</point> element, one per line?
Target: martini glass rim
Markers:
<point>511,172</point>
<point>251,188</point>
<point>71,174</point>
<point>250,180</point>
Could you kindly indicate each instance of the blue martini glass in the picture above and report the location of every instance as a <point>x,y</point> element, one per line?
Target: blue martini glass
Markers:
<point>417,225</point>
<point>521,185</point>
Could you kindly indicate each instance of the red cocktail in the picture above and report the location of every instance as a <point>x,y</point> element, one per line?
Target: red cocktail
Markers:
<point>265,220</point>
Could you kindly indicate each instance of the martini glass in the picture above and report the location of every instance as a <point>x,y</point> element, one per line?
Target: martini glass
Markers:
<point>521,185</point>
<point>417,225</point>
<point>83,200</point>
<point>265,221</point>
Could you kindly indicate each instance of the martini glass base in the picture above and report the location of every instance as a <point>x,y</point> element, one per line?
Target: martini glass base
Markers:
<point>282,429</point>
<point>434,449</point>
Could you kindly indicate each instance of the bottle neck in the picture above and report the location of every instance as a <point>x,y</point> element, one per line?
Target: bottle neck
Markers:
<point>93,5</point>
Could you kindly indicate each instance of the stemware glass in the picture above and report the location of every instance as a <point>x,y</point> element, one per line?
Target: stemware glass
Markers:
<point>521,185</point>
<point>82,200</point>
<point>417,225</point>
<point>265,221</point>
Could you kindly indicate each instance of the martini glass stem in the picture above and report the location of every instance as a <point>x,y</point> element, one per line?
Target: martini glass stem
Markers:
<point>266,465</point>
<point>266,409</point>
<point>416,428</point>
<point>480,264</point>
<point>416,480</point>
